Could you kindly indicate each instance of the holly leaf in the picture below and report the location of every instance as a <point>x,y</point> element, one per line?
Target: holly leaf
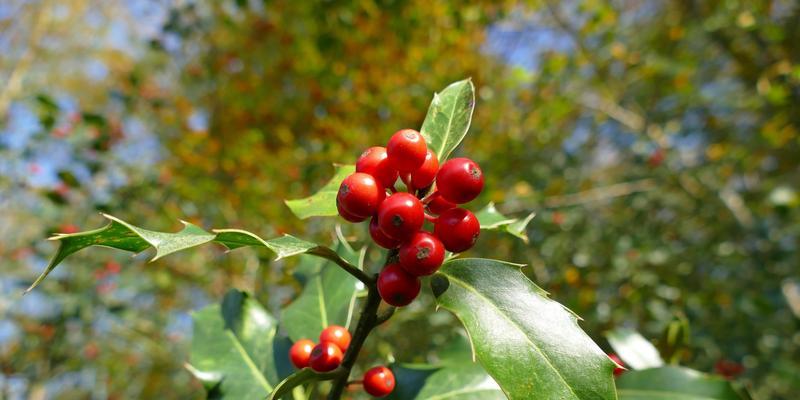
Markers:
<point>491,219</point>
<point>673,382</point>
<point>233,351</point>
<point>121,235</point>
<point>634,349</point>
<point>449,117</point>
<point>328,296</point>
<point>409,380</point>
<point>464,382</point>
<point>514,327</point>
<point>298,378</point>
<point>323,202</point>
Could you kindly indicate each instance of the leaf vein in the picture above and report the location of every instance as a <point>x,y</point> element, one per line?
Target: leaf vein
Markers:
<point>519,328</point>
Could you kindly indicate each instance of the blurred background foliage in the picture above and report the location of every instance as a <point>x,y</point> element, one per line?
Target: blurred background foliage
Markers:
<point>657,141</point>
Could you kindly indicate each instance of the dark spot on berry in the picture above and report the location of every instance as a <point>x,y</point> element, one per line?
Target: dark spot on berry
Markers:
<point>423,252</point>
<point>344,190</point>
<point>397,220</point>
<point>474,172</point>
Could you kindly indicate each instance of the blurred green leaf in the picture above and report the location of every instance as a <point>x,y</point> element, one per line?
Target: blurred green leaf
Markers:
<point>634,349</point>
<point>674,383</point>
<point>448,119</point>
<point>328,297</point>
<point>323,202</point>
<point>491,219</point>
<point>232,348</point>
<point>409,380</point>
<point>466,381</point>
<point>514,327</point>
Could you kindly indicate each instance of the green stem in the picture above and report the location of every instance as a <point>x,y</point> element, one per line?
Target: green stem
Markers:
<point>367,321</point>
<point>351,269</point>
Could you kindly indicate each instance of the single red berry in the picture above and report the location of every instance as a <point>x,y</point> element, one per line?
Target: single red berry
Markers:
<point>374,161</point>
<point>618,370</point>
<point>459,180</point>
<point>438,205</point>
<point>346,214</point>
<point>360,195</point>
<point>727,368</point>
<point>300,353</point>
<point>422,254</point>
<point>400,216</point>
<point>396,286</point>
<point>406,150</point>
<point>379,237</point>
<point>423,176</point>
<point>379,381</point>
<point>458,229</point>
<point>325,356</point>
<point>337,335</point>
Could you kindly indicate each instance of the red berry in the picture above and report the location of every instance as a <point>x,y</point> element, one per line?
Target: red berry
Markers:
<point>300,353</point>
<point>360,195</point>
<point>422,254</point>
<point>400,216</point>
<point>379,381</point>
<point>423,176</point>
<point>379,237</point>
<point>337,335</point>
<point>406,150</point>
<point>325,356</point>
<point>727,368</point>
<point>458,229</point>
<point>459,180</point>
<point>374,161</point>
<point>438,205</point>
<point>346,214</point>
<point>396,286</point>
<point>619,370</point>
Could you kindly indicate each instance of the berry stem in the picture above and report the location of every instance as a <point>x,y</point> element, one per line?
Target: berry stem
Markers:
<point>429,198</point>
<point>406,178</point>
<point>351,269</point>
<point>368,319</point>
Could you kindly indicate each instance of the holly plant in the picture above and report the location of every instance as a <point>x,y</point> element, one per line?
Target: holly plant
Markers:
<point>524,345</point>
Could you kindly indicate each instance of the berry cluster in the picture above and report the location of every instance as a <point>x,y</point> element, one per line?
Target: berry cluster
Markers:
<point>328,354</point>
<point>397,218</point>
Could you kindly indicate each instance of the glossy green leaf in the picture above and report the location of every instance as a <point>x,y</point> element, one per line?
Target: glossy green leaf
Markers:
<point>465,381</point>
<point>636,351</point>
<point>491,219</point>
<point>323,202</point>
<point>119,234</point>
<point>232,348</point>
<point>327,298</point>
<point>514,327</point>
<point>296,379</point>
<point>449,117</point>
<point>409,380</point>
<point>673,382</point>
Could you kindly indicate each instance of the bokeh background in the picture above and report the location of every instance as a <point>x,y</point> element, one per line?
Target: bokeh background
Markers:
<point>656,140</point>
